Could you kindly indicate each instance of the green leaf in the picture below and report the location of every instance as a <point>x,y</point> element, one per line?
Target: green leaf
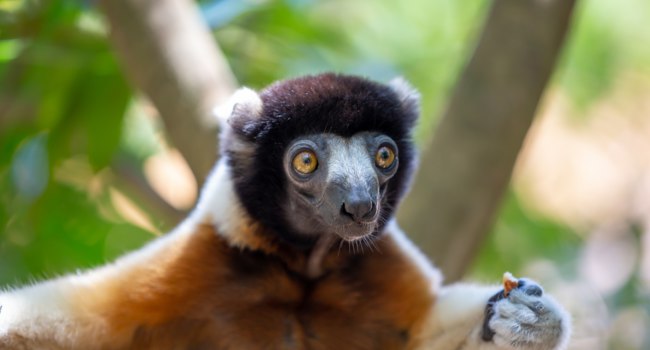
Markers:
<point>103,106</point>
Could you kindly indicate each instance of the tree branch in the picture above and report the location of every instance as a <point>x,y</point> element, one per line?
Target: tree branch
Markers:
<point>465,170</point>
<point>168,53</point>
<point>130,179</point>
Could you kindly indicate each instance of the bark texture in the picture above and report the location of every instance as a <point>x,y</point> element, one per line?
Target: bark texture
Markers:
<point>465,170</point>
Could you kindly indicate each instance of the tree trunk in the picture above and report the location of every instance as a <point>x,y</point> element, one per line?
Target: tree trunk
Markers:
<point>465,170</point>
<point>169,54</point>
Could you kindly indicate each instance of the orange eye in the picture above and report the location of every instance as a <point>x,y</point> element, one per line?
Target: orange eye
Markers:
<point>305,162</point>
<point>385,157</point>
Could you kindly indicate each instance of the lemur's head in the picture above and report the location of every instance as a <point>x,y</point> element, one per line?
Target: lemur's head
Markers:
<point>322,155</point>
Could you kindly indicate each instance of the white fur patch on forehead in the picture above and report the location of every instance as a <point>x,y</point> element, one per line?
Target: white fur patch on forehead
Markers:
<point>244,98</point>
<point>407,94</point>
<point>349,158</point>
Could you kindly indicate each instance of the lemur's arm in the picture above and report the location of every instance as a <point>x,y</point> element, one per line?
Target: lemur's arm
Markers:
<point>101,308</point>
<point>50,315</point>
<point>468,316</point>
<point>46,316</point>
<point>472,317</point>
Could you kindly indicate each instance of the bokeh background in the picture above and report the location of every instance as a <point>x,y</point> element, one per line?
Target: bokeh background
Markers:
<point>80,149</point>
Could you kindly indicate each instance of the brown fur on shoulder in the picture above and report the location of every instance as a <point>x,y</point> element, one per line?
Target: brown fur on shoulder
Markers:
<point>203,293</point>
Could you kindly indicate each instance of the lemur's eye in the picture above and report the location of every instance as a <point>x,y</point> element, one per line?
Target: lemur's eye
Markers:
<point>385,157</point>
<point>305,162</point>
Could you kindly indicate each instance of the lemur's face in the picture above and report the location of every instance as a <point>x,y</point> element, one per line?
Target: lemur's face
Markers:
<point>322,155</point>
<point>337,185</point>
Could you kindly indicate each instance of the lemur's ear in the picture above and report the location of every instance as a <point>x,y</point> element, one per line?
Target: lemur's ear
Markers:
<point>241,112</point>
<point>408,96</point>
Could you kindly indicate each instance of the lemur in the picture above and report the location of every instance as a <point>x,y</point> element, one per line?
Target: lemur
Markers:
<point>292,245</point>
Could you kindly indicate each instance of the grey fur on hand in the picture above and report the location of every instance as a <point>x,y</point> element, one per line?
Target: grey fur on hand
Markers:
<point>526,319</point>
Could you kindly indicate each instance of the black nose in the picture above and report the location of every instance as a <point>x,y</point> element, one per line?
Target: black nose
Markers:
<point>359,209</point>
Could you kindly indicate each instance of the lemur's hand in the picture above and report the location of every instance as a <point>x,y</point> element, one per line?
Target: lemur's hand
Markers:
<point>525,320</point>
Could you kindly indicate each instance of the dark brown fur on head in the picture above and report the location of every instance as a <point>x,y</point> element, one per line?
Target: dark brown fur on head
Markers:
<point>326,103</point>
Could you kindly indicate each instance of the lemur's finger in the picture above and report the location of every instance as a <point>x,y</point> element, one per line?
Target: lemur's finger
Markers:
<point>518,312</point>
<point>536,304</point>
<point>530,287</point>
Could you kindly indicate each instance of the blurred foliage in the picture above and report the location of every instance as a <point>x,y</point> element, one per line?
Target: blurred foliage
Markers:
<point>608,39</point>
<point>273,40</point>
<point>62,96</point>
